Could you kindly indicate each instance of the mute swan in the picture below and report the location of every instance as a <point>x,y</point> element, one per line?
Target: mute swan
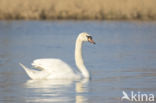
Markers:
<point>53,68</point>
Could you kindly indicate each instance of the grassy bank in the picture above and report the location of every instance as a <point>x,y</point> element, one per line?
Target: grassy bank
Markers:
<point>78,9</point>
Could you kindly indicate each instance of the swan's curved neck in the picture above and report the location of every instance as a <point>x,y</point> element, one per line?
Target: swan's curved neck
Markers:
<point>79,59</point>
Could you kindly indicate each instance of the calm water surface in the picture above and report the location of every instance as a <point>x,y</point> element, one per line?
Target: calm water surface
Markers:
<point>124,59</point>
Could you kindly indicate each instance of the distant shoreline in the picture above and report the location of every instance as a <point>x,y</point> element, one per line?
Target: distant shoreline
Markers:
<point>77,10</point>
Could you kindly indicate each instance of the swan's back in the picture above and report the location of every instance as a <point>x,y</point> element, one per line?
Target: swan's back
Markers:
<point>56,67</point>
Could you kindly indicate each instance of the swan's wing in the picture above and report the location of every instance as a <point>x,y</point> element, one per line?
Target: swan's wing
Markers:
<point>52,65</point>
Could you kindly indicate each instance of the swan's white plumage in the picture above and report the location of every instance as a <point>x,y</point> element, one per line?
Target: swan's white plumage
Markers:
<point>51,65</point>
<point>56,67</point>
<point>52,68</point>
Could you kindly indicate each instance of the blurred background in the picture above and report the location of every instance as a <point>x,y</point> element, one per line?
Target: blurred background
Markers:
<point>78,9</point>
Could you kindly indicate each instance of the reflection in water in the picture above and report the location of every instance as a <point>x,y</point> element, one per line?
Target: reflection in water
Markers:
<point>81,87</point>
<point>57,90</point>
<point>47,83</point>
<point>80,99</point>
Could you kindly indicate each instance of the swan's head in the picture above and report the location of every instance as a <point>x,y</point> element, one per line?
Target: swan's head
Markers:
<point>85,37</point>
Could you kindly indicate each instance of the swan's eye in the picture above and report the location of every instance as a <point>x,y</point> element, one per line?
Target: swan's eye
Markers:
<point>89,37</point>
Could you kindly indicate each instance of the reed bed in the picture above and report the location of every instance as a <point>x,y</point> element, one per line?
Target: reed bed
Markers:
<point>78,9</point>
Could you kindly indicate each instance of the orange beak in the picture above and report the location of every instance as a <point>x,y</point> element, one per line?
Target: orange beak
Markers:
<point>91,41</point>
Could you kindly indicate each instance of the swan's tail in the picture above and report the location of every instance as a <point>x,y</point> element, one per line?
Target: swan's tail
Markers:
<point>34,74</point>
<point>27,70</point>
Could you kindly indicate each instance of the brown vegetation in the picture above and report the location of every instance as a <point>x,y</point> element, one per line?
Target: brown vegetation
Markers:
<point>78,9</point>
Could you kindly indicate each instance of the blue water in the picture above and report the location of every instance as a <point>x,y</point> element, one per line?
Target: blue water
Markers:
<point>123,59</point>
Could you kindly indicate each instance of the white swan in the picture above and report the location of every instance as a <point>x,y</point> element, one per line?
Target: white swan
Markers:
<point>57,69</point>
